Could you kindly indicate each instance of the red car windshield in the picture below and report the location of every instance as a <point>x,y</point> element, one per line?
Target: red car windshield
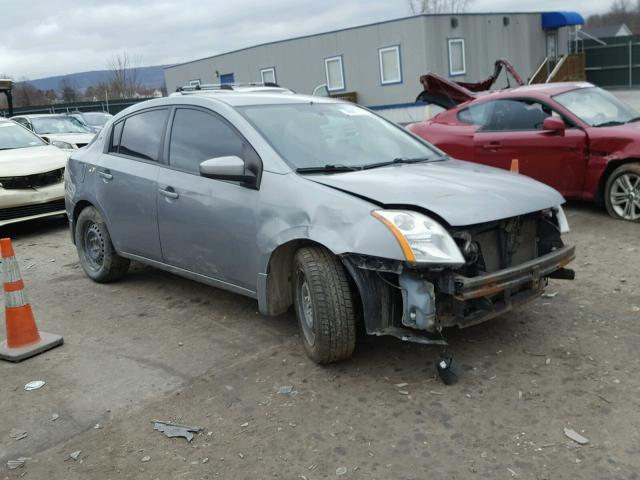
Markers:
<point>597,107</point>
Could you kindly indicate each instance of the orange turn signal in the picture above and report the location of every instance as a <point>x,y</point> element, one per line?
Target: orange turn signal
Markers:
<point>404,245</point>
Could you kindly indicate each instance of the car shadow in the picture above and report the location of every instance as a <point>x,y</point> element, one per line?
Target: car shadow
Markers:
<point>468,346</point>
<point>583,207</point>
<point>36,227</point>
<point>372,354</point>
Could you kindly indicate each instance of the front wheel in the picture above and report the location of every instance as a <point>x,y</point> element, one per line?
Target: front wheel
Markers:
<point>98,258</point>
<point>324,305</point>
<point>622,192</point>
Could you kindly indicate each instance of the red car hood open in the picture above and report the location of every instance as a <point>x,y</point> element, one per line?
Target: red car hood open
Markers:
<point>448,94</point>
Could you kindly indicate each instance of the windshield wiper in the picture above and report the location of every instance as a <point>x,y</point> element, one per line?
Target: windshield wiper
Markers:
<point>396,161</point>
<point>634,119</point>
<point>328,168</point>
<point>612,123</point>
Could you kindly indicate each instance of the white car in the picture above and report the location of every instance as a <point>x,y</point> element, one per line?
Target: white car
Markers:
<point>60,130</point>
<point>31,175</point>
<point>94,121</point>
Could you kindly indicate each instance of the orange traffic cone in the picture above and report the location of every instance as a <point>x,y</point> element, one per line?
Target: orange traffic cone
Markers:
<point>515,165</point>
<point>23,339</point>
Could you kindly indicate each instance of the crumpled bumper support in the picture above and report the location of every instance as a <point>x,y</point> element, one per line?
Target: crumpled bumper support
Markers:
<point>528,273</point>
<point>459,300</point>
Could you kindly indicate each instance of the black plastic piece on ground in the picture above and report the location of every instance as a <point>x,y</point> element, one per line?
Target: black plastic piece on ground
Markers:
<point>448,370</point>
<point>564,274</point>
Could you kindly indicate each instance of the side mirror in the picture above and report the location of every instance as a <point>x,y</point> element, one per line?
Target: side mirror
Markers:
<point>227,168</point>
<point>553,125</point>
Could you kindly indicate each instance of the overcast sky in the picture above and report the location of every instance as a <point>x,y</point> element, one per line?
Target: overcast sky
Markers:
<point>39,40</point>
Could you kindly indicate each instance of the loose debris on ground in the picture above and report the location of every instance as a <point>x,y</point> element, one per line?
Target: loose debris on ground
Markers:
<point>175,429</point>
<point>575,436</point>
<point>35,385</point>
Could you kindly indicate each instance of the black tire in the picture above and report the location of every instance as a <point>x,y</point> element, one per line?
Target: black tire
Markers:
<point>320,282</point>
<point>622,193</point>
<point>98,258</point>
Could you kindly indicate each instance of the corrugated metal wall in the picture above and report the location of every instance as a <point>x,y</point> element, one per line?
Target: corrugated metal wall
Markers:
<point>423,41</point>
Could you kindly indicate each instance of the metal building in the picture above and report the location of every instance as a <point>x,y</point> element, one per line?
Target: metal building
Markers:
<point>379,65</point>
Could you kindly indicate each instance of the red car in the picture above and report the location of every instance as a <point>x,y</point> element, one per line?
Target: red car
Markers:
<point>574,137</point>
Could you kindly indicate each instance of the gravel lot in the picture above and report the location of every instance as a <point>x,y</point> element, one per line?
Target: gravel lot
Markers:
<point>155,346</point>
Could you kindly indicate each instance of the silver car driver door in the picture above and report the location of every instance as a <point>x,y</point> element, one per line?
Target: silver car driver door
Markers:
<point>207,226</point>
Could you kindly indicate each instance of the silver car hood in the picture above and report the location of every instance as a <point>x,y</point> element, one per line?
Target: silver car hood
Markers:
<point>462,193</point>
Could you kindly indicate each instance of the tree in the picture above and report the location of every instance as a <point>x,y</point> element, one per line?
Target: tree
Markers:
<point>620,11</point>
<point>26,95</point>
<point>68,91</point>
<point>124,79</point>
<point>439,6</point>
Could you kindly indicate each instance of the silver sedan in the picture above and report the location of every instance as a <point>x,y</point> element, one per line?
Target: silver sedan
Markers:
<point>317,204</point>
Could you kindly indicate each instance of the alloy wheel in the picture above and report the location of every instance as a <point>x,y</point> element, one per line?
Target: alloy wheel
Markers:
<point>625,196</point>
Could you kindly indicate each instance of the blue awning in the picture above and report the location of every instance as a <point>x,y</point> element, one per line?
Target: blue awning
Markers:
<point>553,20</point>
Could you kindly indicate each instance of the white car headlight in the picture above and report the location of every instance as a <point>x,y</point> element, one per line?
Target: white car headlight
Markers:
<point>62,145</point>
<point>421,238</point>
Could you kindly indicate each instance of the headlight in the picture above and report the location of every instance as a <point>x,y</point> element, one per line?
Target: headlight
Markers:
<point>62,145</point>
<point>421,238</point>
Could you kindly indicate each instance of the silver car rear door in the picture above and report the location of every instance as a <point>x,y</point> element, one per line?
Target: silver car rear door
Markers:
<point>127,184</point>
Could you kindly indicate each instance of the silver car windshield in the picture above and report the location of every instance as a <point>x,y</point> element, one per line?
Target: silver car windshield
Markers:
<point>596,107</point>
<point>14,136</point>
<point>43,125</point>
<point>334,136</point>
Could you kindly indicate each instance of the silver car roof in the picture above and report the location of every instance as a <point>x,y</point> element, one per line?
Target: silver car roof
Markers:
<point>231,99</point>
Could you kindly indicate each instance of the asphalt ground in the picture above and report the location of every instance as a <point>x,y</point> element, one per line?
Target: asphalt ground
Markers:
<point>156,346</point>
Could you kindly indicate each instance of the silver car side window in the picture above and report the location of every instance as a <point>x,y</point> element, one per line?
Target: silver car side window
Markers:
<point>142,134</point>
<point>197,136</point>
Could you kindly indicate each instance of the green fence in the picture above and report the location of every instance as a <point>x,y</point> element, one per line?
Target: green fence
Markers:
<point>616,64</point>
<point>112,106</point>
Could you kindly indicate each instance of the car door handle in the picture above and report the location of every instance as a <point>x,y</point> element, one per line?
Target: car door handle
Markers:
<point>169,192</point>
<point>105,174</point>
<point>492,146</point>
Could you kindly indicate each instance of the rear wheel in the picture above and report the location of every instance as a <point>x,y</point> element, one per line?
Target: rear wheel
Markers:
<point>324,305</point>
<point>98,258</point>
<point>622,192</point>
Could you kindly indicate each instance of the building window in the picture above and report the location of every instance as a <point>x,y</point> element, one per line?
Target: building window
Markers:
<point>457,62</point>
<point>194,83</point>
<point>334,73</point>
<point>268,75</point>
<point>390,66</point>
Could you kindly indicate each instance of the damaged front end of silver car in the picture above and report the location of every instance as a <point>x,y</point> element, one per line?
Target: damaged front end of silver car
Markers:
<point>506,263</point>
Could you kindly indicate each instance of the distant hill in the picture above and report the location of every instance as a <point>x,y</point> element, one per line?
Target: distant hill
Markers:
<point>151,77</point>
